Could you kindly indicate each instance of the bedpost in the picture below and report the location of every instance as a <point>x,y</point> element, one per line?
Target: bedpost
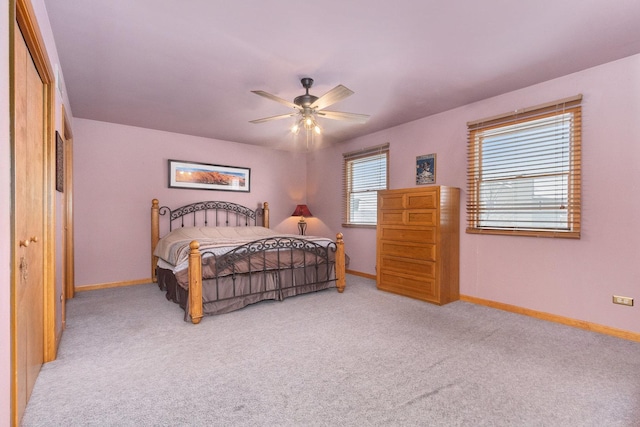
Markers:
<point>265,215</point>
<point>340,263</point>
<point>195,283</point>
<point>155,236</point>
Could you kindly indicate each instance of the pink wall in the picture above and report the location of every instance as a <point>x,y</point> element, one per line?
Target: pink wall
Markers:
<point>120,169</point>
<point>572,278</point>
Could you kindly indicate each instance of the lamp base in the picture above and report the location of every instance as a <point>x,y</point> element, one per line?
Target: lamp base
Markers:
<point>302,227</point>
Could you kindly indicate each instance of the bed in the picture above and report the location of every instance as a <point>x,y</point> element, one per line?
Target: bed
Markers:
<point>215,257</point>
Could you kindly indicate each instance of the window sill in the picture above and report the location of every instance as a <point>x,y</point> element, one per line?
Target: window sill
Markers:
<point>359,225</point>
<point>526,233</point>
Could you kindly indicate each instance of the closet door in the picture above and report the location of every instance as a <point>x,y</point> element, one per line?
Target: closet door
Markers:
<point>29,277</point>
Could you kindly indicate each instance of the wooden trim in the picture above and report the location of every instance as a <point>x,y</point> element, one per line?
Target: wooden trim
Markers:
<point>361,274</point>
<point>99,286</point>
<point>580,324</point>
<point>26,19</point>
<point>365,152</point>
<point>69,252</point>
<point>14,415</point>
<point>525,233</point>
<point>50,299</point>
<point>568,102</point>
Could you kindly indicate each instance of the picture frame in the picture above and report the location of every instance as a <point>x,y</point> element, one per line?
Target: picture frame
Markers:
<point>426,169</point>
<point>205,176</point>
<point>59,163</point>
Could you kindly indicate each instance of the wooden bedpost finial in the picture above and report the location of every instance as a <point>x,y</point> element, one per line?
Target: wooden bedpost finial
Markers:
<point>194,245</point>
<point>341,279</point>
<point>265,215</point>
<point>155,236</point>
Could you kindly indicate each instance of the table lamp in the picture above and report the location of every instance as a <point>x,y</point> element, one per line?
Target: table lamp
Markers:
<point>302,211</point>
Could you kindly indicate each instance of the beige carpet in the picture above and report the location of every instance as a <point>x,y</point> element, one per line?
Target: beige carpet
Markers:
<point>362,358</point>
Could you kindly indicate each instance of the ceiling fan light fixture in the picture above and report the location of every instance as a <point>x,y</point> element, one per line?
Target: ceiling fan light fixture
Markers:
<point>308,107</point>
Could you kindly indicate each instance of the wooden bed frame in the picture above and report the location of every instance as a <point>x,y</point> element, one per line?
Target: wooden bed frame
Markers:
<point>195,256</point>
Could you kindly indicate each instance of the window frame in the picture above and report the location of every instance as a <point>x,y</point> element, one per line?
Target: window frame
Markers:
<point>347,182</point>
<point>475,206</point>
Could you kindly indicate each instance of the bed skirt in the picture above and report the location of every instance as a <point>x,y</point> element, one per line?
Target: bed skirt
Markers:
<point>229,293</point>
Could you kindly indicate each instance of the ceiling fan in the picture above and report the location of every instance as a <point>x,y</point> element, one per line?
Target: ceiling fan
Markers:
<point>309,107</point>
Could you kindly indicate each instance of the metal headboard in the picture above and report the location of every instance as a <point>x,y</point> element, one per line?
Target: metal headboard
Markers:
<point>213,214</point>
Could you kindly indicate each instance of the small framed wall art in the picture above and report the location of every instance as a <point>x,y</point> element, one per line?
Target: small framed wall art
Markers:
<point>59,163</point>
<point>426,169</point>
<point>204,176</point>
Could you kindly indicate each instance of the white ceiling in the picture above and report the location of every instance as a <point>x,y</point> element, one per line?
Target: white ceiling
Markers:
<point>189,66</point>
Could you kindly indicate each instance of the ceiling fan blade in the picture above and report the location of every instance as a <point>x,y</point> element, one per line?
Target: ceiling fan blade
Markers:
<point>336,94</point>
<point>276,98</point>
<point>267,119</point>
<point>338,115</point>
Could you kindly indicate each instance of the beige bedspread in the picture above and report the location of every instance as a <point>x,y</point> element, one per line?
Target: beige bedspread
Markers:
<point>174,247</point>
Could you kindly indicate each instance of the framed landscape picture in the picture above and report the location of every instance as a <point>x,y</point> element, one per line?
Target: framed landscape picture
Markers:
<point>426,169</point>
<point>204,176</point>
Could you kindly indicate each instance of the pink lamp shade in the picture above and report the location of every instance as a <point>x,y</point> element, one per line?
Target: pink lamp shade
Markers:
<point>301,210</point>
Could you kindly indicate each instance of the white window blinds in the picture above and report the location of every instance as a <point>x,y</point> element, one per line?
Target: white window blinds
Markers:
<point>524,173</point>
<point>364,172</point>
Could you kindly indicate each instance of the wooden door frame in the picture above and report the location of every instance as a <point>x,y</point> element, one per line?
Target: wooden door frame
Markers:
<point>23,18</point>
<point>68,256</point>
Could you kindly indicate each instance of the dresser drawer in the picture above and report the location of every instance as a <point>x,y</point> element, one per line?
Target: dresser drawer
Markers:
<point>408,250</point>
<point>423,200</point>
<point>421,217</point>
<point>388,216</point>
<point>407,234</point>
<point>391,201</point>
<point>412,267</point>
<point>417,200</point>
<point>425,289</point>
<point>428,217</point>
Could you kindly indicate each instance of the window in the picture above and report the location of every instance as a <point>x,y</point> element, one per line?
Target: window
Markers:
<point>523,173</point>
<point>363,174</point>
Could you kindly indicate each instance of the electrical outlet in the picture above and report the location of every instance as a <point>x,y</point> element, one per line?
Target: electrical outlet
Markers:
<point>623,300</point>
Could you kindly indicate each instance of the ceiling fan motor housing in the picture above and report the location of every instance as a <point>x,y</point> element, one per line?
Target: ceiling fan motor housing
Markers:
<point>305,100</point>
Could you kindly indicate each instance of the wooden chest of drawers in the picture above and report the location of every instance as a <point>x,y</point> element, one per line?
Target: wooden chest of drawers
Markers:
<point>418,241</point>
